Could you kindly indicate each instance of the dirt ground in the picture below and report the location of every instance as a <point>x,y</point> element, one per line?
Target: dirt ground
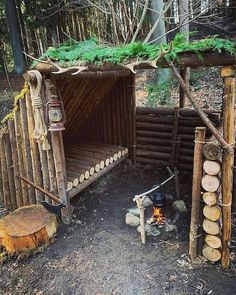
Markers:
<point>98,254</point>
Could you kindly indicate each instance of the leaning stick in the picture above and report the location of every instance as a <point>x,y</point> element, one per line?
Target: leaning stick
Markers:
<point>139,202</point>
<point>201,113</point>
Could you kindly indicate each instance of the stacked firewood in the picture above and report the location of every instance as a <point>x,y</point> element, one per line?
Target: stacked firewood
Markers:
<point>212,197</point>
<point>85,160</point>
<point>166,135</point>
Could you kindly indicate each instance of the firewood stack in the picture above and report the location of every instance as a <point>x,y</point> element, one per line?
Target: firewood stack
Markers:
<point>211,183</point>
<point>84,161</point>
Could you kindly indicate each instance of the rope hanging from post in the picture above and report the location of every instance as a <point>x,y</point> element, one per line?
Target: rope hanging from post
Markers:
<point>40,128</point>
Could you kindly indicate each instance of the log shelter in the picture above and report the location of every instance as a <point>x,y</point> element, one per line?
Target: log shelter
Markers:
<point>102,128</point>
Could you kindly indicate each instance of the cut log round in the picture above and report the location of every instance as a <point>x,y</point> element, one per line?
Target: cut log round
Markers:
<point>69,186</point>
<point>213,241</point>
<point>212,151</point>
<point>211,227</point>
<point>211,167</point>
<point>212,213</point>
<point>210,198</point>
<point>210,183</point>
<point>76,182</point>
<point>211,253</point>
<point>27,228</point>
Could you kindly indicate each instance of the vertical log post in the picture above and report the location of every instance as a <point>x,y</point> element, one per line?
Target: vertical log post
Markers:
<point>16,171</point>
<point>174,136</point>
<point>182,95</point>
<point>132,115</point>
<point>9,162</point>
<point>196,191</point>
<point>37,173</point>
<point>228,74</point>
<point>18,134</point>
<point>26,149</point>
<point>59,160</point>
<point>5,182</point>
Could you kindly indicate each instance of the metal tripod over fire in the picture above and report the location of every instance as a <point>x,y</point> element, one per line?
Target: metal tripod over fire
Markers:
<point>140,198</point>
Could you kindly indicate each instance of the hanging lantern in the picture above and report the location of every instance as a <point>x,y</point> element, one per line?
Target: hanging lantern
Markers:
<point>55,114</point>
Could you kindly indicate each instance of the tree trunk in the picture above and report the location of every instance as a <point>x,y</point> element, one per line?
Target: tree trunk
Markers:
<point>15,35</point>
<point>163,75</point>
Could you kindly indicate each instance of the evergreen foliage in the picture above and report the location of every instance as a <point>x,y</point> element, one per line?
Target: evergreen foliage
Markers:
<point>91,51</point>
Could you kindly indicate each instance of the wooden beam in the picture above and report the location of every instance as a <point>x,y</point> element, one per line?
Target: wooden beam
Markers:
<point>182,95</point>
<point>187,59</point>
<point>196,191</point>
<point>228,74</point>
<point>59,161</point>
<point>93,178</point>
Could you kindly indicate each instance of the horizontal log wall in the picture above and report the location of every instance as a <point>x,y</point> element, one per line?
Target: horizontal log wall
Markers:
<point>165,136</point>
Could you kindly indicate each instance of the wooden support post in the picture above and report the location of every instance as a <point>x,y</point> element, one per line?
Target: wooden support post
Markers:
<point>26,149</point>
<point>37,173</point>
<point>18,134</point>
<point>59,161</point>
<point>132,115</point>
<point>182,95</point>
<point>9,162</point>
<point>196,191</point>
<point>228,74</point>
<point>174,136</point>
<point>16,171</point>
<point>5,182</point>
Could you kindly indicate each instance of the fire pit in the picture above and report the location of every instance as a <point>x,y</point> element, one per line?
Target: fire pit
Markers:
<point>158,214</point>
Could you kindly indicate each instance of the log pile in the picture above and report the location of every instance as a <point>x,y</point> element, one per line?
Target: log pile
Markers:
<point>211,183</point>
<point>88,161</point>
<point>166,135</point>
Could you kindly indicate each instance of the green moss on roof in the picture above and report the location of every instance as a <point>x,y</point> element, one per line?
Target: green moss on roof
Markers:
<point>91,51</point>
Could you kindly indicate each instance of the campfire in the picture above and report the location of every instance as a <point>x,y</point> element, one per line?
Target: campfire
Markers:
<point>158,217</point>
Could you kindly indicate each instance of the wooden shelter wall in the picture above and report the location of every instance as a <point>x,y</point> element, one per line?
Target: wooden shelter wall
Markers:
<point>21,154</point>
<point>111,120</point>
<point>166,136</point>
<point>81,98</point>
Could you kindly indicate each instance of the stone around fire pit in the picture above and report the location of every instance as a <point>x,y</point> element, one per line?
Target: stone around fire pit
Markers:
<point>147,202</point>
<point>170,227</point>
<point>131,219</point>
<point>135,211</point>
<point>150,230</point>
<point>180,207</point>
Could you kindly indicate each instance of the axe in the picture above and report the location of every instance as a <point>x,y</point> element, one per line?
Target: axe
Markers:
<point>56,209</point>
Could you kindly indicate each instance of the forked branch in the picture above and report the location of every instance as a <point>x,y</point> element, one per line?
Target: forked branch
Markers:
<point>152,63</point>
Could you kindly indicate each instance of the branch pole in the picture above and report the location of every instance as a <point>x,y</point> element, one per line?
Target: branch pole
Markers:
<point>228,74</point>
<point>196,191</point>
<point>201,113</point>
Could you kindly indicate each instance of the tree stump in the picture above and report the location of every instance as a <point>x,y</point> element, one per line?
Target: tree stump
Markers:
<point>27,228</point>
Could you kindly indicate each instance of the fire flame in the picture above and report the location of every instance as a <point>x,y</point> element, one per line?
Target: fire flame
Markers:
<point>158,215</point>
